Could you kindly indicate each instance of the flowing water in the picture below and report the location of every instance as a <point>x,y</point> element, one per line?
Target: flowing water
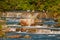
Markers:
<point>34,36</point>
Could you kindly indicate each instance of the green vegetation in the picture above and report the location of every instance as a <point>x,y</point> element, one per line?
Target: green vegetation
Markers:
<point>1,32</point>
<point>48,5</point>
<point>0,27</point>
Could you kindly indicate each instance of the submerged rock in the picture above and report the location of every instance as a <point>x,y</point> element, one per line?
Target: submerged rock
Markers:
<point>27,36</point>
<point>15,36</point>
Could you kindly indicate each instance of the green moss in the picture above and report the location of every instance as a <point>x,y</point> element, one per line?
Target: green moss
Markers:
<point>0,26</point>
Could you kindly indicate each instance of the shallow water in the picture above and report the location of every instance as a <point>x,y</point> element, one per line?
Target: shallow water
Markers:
<point>35,36</point>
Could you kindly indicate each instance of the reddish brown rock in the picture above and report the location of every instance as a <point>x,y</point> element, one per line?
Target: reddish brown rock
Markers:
<point>15,36</point>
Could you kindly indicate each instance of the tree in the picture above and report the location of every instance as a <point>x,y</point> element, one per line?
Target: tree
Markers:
<point>47,5</point>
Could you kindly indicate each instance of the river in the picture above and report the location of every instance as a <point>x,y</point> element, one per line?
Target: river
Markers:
<point>34,36</point>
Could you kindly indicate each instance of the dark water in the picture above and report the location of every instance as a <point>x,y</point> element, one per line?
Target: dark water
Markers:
<point>35,36</point>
